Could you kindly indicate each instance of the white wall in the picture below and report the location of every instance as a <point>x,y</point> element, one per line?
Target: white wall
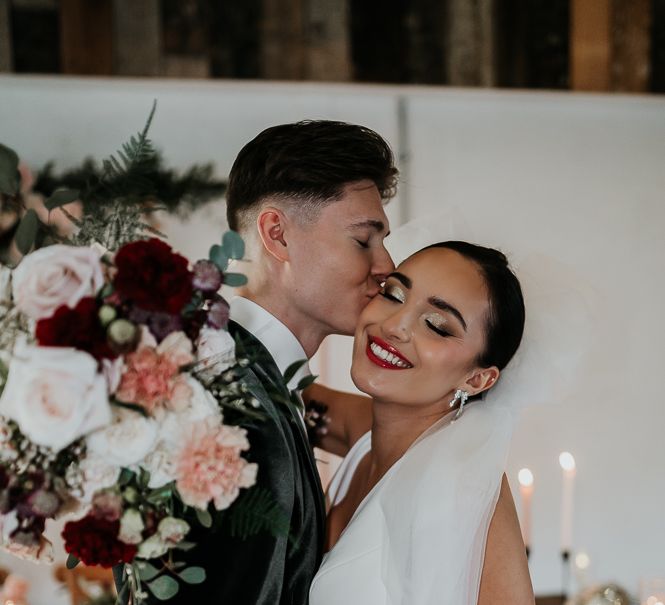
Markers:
<point>579,177</point>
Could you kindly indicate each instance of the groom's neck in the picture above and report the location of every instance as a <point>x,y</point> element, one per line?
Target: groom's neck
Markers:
<point>304,328</point>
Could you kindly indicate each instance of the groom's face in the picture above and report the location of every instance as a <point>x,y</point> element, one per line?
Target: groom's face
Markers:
<point>338,259</point>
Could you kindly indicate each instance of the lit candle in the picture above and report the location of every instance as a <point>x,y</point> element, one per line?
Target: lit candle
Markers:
<point>525,477</point>
<point>567,462</point>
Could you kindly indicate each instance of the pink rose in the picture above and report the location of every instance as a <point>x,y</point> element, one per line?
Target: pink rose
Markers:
<point>55,276</point>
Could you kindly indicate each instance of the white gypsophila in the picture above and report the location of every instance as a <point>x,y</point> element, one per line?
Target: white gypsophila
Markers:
<point>126,440</point>
<point>96,474</point>
<point>160,462</point>
<point>55,395</point>
<point>54,276</point>
<point>215,352</point>
<point>173,530</point>
<point>131,527</point>
<point>152,548</point>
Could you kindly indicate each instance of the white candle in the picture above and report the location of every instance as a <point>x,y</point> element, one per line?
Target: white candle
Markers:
<point>525,477</point>
<point>567,462</point>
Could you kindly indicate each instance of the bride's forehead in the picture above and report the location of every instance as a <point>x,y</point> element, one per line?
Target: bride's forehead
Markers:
<point>436,268</point>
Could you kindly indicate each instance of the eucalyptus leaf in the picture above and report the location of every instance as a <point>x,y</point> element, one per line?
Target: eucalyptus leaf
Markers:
<point>185,545</point>
<point>204,517</point>
<point>164,587</point>
<point>72,561</point>
<point>235,279</point>
<point>125,477</point>
<point>233,245</point>
<point>193,575</point>
<point>219,257</point>
<point>123,595</point>
<point>146,571</point>
<point>9,176</point>
<point>62,197</point>
<point>26,233</point>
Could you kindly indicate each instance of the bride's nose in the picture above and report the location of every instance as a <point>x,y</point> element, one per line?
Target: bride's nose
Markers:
<point>396,326</point>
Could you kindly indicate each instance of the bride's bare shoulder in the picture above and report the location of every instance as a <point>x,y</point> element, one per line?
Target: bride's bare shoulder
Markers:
<point>505,579</point>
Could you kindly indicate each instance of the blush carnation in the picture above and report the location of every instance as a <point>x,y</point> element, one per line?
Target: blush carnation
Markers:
<point>94,541</point>
<point>152,377</point>
<point>152,276</point>
<point>209,465</point>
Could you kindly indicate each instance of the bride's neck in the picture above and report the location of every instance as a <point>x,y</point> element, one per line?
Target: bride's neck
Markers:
<point>395,427</point>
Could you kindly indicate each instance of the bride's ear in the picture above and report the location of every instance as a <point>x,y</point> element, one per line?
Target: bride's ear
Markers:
<point>481,380</point>
<point>271,225</point>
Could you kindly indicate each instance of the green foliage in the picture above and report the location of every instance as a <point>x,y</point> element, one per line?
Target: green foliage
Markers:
<point>27,231</point>
<point>147,571</point>
<point>61,197</point>
<point>235,279</point>
<point>72,561</point>
<point>255,511</point>
<point>233,245</point>
<point>193,575</point>
<point>292,370</point>
<point>164,587</point>
<point>204,517</point>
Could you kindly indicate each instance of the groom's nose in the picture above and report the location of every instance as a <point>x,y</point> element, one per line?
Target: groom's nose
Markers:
<point>383,266</point>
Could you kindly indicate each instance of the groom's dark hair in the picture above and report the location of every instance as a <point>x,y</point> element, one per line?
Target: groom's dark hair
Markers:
<point>307,162</point>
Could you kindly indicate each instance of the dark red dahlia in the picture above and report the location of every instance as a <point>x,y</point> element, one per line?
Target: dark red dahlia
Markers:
<point>95,542</point>
<point>153,277</point>
<point>79,327</point>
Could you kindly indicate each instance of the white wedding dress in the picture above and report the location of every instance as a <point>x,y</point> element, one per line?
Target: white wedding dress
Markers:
<point>418,538</point>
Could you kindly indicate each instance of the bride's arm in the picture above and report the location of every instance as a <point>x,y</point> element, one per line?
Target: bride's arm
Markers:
<point>350,417</point>
<point>505,579</point>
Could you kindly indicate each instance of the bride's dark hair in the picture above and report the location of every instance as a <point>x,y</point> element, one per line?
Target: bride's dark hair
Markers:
<point>505,323</point>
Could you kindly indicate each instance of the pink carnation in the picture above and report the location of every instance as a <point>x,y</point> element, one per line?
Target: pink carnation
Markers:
<point>153,377</point>
<point>209,466</point>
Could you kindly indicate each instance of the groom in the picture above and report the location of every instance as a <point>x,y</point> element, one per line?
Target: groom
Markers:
<point>308,200</point>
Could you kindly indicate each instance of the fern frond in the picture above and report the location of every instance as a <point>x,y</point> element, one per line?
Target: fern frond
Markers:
<point>255,511</point>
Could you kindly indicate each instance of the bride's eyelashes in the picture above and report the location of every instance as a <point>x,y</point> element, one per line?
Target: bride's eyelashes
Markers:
<point>362,244</point>
<point>438,330</point>
<point>393,293</point>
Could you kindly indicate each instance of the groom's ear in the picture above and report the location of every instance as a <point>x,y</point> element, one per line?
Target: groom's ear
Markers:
<point>481,380</point>
<point>271,224</point>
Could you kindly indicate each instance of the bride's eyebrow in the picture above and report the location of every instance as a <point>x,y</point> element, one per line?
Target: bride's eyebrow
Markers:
<point>439,303</point>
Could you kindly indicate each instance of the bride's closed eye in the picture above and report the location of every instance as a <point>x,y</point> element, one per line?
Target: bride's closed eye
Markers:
<point>393,293</point>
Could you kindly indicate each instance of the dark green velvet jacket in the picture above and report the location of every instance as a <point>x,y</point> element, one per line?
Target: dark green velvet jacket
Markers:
<point>264,569</point>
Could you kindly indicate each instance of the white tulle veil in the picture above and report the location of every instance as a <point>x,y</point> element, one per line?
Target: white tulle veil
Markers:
<point>439,501</point>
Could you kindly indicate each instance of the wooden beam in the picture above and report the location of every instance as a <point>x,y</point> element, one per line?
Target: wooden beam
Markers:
<point>329,51</point>
<point>283,40</point>
<point>631,48</point>
<point>86,37</point>
<point>6,61</point>
<point>590,45</point>
<point>137,37</point>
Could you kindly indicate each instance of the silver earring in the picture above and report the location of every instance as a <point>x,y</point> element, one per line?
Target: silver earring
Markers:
<point>462,397</point>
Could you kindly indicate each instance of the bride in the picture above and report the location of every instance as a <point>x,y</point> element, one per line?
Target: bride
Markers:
<point>420,511</point>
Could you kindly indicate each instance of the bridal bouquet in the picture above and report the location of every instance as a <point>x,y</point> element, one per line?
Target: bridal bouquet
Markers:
<point>115,376</point>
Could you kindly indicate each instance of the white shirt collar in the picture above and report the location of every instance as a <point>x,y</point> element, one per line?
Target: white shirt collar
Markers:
<point>281,343</point>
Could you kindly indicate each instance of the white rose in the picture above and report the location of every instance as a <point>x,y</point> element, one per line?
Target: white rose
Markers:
<point>172,428</point>
<point>173,530</point>
<point>127,440</point>
<point>131,527</point>
<point>55,395</point>
<point>215,352</point>
<point>153,547</point>
<point>97,474</point>
<point>54,276</point>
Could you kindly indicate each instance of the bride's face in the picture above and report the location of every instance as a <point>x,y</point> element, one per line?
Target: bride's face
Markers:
<point>417,342</point>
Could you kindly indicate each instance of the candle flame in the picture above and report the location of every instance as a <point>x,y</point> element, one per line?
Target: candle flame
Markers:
<point>525,477</point>
<point>567,461</point>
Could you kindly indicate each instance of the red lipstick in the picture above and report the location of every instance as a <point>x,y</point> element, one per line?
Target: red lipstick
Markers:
<point>383,362</point>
